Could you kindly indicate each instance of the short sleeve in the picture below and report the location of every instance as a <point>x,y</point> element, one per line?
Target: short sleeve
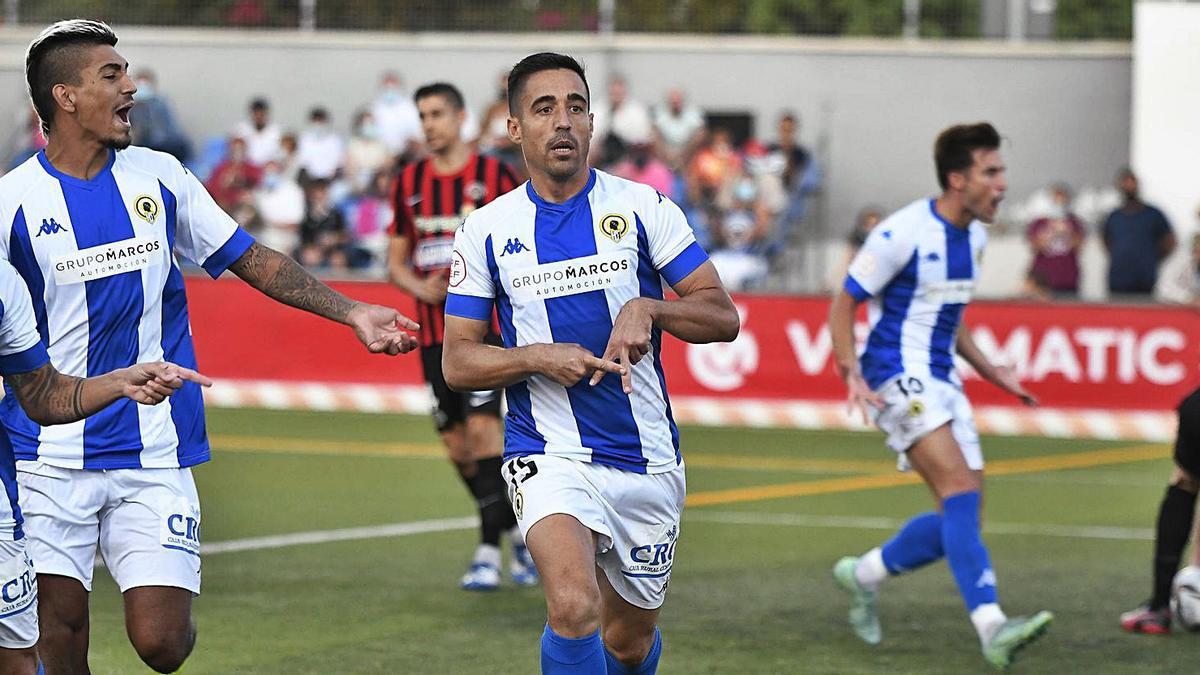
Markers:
<point>204,233</point>
<point>673,248</point>
<point>21,348</point>
<point>472,292</point>
<point>880,259</point>
<point>1163,226</point>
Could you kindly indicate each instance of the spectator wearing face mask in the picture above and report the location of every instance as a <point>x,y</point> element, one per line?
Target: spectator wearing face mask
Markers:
<point>321,153</point>
<point>262,136</point>
<point>323,233</point>
<point>366,155</point>
<point>642,166</point>
<point>396,117</point>
<point>1138,238</point>
<point>153,121</point>
<point>1056,239</point>
<point>233,180</point>
<point>280,204</point>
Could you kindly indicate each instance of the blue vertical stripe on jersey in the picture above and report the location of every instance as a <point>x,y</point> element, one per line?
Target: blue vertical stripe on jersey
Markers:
<point>958,266</point>
<point>112,437</point>
<point>521,436</point>
<point>650,286</point>
<point>20,254</point>
<point>882,358</point>
<point>23,431</point>
<point>603,413</point>
<point>187,404</point>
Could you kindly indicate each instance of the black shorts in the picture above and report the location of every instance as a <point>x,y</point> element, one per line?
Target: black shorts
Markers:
<point>451,407</point>
<point>1187,442</point>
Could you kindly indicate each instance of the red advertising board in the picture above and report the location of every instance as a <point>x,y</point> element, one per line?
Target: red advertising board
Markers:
<point>1116,357</point>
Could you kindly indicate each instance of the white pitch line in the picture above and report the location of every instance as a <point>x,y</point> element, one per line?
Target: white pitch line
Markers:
<point>870,523</point>
<point>346,534</point>
<point>704,516</point>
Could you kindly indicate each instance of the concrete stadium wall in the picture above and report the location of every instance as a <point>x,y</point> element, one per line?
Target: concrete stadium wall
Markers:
<point>871,107</point>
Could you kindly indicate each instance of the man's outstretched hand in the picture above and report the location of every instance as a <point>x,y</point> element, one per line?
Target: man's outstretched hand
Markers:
<point>152,383</point>
<point>382,329</point>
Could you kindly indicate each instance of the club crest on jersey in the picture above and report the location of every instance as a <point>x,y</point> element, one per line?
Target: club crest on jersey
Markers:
<point>146,208</point>
<point>518,503</point>
<point>614,226</point>
<point>476,191</point>
<point>50,227</point>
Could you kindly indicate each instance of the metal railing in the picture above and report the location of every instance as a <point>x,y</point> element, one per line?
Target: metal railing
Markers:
<point>1001,19</point>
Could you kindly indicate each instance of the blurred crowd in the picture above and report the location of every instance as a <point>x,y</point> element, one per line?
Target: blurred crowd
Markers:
<point>323,196</point>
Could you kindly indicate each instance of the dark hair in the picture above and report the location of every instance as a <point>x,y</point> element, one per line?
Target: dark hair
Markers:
<point>260,103</point>
<point>953,147</point>
<point>318,113</point>
<point>445,89</point>
<point>536,63</point>
<point>54,57</point>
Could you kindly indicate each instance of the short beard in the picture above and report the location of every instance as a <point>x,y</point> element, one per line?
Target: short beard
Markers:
<point>119,143</point>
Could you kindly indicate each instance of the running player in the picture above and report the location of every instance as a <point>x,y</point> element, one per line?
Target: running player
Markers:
<point>575,261</point>
<point>1175,516</point>
<point>92,227</point>
<point>50,398</point>
<point>918,268</point>
<point>430,198</point>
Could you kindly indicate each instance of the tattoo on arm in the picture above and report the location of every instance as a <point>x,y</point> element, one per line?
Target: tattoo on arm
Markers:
<point>77,399</point>
<point>283,279</point>
<point>47,397</point>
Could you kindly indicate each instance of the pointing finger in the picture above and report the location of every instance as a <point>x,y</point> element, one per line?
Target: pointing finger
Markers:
<point>627,373</point>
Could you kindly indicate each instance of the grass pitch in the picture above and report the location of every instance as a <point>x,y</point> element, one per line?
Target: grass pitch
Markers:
<point>1068,524</point>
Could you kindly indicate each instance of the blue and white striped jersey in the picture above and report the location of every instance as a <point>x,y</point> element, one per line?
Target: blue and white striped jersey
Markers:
<point>561,273</point>
<point>21,351</point>
<point>107,293</point>
<point>919,273</point>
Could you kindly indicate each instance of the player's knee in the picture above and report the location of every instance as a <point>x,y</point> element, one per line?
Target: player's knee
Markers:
<point>628,648</point>
<point>574,612</point>
<point>165,651</point>
<point>1185,481</point>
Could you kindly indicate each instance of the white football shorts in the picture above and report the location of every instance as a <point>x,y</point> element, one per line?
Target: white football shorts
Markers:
<point>916,406</point>
<point>635,514</point>
<point>18,596</point>
<point>146,521</point>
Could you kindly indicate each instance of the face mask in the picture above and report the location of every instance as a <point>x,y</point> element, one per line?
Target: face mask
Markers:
<point>1056,212</point>
<point>391,95</point>
<point>145,90</point>
<point>744,191</point>
<point>270,180</point>
<point>319,130</point>
<point>369,130</point>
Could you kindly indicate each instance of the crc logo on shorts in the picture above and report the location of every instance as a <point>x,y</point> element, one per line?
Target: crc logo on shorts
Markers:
<point>18,585</point>
<point>146,208</point>
<point>916,408</point>
<point>653,560</point>
<point>614,226</point>
<point>181,530</point>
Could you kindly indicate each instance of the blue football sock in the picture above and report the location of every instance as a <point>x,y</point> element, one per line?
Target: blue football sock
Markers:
<point>917,544</point>
<point>649,665</point>
<point>572,656</point>
<point>41,668</point>
<point>965,552</point>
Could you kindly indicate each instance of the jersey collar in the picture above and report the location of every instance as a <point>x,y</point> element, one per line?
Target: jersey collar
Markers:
<point>567,205</point>
<point>45,162</point>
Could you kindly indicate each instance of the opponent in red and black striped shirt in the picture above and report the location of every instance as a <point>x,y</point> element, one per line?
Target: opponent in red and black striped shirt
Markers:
<point>429,206</point>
